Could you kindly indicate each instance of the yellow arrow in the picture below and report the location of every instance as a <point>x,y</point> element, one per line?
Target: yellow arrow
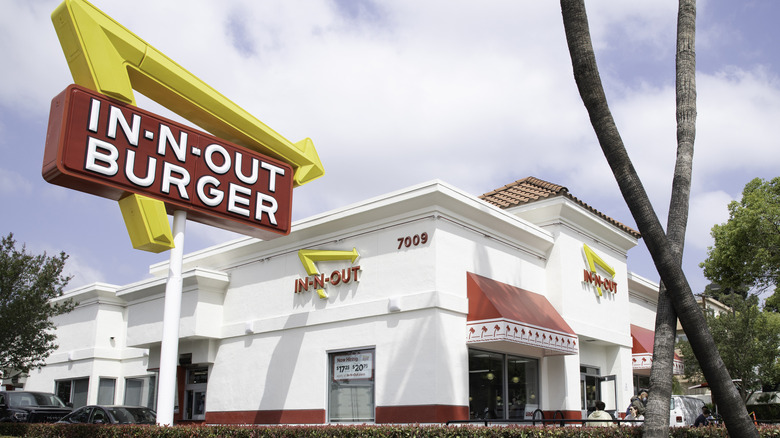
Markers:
<point>310,256</point>
<point>105,56</point>
<point>594,260</point>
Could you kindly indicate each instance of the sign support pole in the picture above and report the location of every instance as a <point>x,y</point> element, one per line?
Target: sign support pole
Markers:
<point>169,350</point>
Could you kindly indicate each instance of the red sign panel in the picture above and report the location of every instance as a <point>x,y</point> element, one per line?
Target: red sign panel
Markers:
<point>107,148</point>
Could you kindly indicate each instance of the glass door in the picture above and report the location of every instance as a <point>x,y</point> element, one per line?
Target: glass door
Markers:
<point>608,392</point>
<point>590,389</point>
<point>195,393</point>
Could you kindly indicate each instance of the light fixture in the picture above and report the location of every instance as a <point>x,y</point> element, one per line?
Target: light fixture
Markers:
<point>490,376</point>
<point>515,379</point>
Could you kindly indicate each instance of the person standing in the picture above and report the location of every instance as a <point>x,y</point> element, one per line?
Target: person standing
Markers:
<point>640,402</point>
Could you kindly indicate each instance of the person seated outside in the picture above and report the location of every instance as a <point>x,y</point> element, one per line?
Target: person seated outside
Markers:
<point>600,414</point>
<point>633,414</point>
<point>704,418</point>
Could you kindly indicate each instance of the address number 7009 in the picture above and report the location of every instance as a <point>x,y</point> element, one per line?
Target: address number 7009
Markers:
<point>409,241</point>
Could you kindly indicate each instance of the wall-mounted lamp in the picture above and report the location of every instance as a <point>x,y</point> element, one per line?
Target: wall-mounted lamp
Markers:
<point>394,304</point>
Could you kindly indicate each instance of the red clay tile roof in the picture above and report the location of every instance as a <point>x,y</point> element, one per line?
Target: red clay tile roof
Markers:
<point>530,189</point>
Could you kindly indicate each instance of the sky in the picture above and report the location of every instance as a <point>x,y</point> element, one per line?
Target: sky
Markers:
<point>397,93</point>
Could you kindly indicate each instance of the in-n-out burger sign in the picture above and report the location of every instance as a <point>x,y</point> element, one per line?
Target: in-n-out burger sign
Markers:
<point>590,275</point>
<point>103,147</point>
<point>309,259</point>
<point>320,281</point>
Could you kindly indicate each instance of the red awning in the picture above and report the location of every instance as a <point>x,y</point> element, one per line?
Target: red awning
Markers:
<point>500,312</point>
<point>642,350</point>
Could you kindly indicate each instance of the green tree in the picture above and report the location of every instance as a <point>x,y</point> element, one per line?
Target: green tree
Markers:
<point>28,283</point>
<point>749,343</point>
<point>746,253</point>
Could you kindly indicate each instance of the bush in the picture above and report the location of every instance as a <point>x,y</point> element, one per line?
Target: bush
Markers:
<point>367,431</point>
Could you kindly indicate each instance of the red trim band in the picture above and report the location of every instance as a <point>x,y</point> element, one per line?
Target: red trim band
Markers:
<point>290,416</point>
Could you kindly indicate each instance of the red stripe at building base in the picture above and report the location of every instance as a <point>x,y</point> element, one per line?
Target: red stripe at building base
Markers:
<point>421,413</point>
<point>288,416</point>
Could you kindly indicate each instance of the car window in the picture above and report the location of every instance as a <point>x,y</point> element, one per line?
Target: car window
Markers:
<point>80,415</point>
<point>133,415</point>
<point>99,416</point>
<point>144,415</point>
<point>48,400</point>
<point>21,399</point>
<point>121,415</point>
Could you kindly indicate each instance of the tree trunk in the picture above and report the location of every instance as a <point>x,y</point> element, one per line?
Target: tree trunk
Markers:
<point>586,75</point>
<point>662,372</point>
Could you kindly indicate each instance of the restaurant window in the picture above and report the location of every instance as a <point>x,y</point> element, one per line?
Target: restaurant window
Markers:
<point>641,383</point>
<point>141,391</point>
<point>502,386</point>
<point>195,393</point>
<point>351,395</point>
<point>73,391</point>
<point>106,389</point>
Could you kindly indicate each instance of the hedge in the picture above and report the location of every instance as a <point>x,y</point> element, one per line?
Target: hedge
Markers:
<point>378,431</point>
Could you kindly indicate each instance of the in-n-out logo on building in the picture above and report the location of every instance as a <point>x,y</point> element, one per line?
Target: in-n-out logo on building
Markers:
<point>320,281</point>
<point>593,278</point>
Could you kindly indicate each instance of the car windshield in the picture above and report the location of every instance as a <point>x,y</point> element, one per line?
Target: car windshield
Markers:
<point>133,415</point>
<point>34,399</point>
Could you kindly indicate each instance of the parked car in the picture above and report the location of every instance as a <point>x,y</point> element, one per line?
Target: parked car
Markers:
<point>111,415</point>
<point>684,410</point>
<point>31,407</point>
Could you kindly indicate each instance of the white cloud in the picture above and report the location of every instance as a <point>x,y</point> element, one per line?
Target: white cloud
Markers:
<point>475,94</point>
<point>707,209</point>
<point>14,184</point>
<point>738,113</point>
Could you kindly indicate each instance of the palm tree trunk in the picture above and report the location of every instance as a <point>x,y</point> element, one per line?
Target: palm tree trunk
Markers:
<point>662,372</point>
<point>586,75</point>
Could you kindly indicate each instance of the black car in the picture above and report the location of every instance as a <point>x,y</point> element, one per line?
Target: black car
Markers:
<point>111,415</point>
<point>31,407</point>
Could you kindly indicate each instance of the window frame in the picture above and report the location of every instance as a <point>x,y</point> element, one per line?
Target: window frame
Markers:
<point>501,408</point>
<point>335,385</point>
<point>72,383</point>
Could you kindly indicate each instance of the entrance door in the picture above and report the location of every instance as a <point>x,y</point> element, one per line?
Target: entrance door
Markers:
<point>595,387</point>
<point>590,389</point>
<point>608,392</point>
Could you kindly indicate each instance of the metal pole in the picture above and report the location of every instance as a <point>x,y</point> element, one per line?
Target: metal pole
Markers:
<point>169,350</point>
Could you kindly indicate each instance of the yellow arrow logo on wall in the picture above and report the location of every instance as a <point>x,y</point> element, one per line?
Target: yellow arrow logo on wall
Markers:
<point>310,256</point>
<point>594,260</point>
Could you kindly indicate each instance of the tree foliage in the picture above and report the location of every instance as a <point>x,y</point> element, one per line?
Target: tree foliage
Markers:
<point>28,283</point>
<point>749,343</point>
<point>746,253</point>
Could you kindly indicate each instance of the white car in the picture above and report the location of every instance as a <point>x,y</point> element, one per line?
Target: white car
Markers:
<point>684,410</point>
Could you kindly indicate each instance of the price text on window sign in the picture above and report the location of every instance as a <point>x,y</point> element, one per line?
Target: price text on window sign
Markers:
<point>352,367</point>
<point>107,148</point>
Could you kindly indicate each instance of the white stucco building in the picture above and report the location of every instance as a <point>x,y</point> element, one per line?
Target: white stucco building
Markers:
<point>439,305</point>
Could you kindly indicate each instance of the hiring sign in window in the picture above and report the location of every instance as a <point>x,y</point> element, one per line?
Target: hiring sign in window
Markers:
<point>353,365</point>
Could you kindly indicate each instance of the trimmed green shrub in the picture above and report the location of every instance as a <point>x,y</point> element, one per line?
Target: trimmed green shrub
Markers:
<point>359,431</point>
